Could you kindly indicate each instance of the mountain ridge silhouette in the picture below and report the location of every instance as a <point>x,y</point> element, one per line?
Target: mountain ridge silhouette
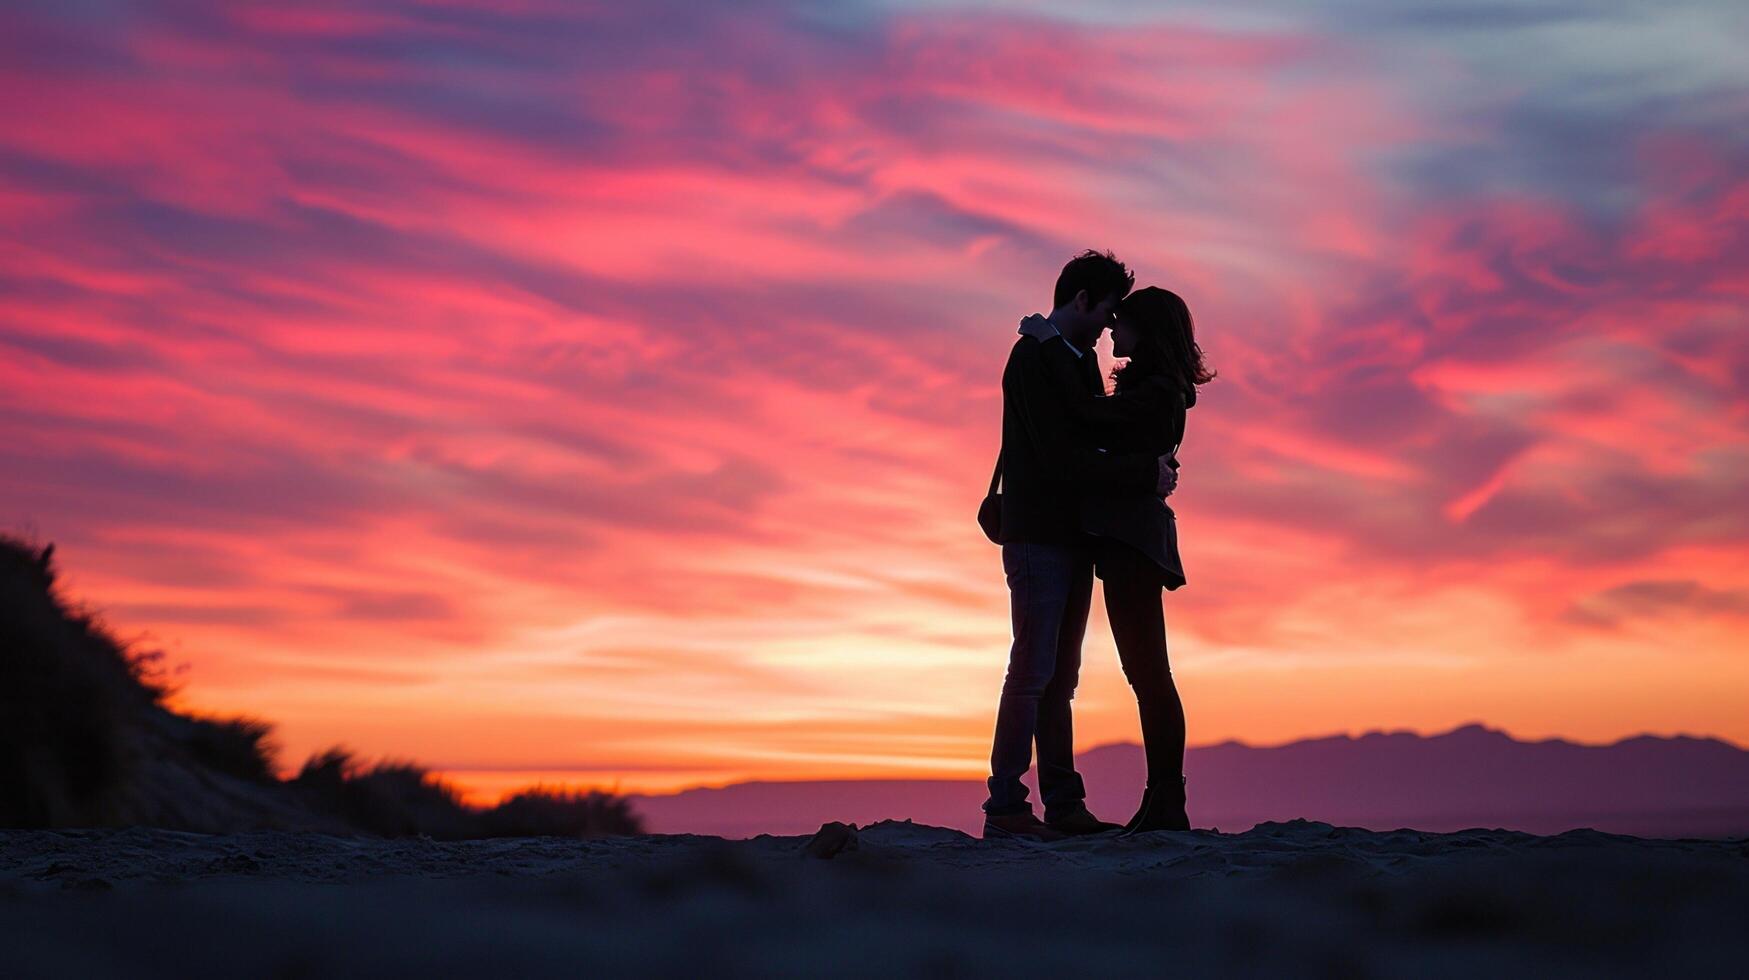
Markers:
<point>1473,775</point>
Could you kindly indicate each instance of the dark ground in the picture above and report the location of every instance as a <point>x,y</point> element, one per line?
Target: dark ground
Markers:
<point>1295,899</point>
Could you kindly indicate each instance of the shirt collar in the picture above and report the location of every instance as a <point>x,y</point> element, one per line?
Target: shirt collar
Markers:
<point>1028,322</point>
<point>1077,351</point>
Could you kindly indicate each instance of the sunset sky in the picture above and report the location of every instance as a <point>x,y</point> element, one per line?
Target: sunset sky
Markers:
<point>604,391</point>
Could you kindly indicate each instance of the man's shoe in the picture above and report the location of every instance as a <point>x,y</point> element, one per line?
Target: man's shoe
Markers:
<point>1021,825</point>
<point>1081,823</point>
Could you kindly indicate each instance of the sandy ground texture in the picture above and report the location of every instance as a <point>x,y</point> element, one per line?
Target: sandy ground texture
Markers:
<point>1283,899</point>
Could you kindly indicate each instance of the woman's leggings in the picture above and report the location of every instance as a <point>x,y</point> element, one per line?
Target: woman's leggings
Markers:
<point>1138,624</point>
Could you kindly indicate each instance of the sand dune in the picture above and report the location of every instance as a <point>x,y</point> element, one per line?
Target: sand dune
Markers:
<point>1293,899</point>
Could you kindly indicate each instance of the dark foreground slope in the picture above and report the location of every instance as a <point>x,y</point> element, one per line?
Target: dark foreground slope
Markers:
<point>86,740</point>
<point>896,899</point>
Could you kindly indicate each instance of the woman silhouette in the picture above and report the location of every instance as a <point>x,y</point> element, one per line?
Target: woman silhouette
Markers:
<point>1136,534</point>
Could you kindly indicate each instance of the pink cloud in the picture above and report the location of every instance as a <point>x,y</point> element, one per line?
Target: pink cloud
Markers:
<point>361,343</point>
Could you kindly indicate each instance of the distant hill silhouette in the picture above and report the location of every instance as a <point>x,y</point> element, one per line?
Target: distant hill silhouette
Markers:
<point>1472,776</point>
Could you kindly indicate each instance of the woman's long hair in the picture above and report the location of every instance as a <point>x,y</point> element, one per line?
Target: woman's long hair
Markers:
<point>1167,343</point>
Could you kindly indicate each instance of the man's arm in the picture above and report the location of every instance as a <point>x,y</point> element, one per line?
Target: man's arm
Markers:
<point>1043,413</point>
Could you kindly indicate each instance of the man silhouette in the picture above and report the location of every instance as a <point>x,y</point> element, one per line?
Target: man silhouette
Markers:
<point>1046,464</point>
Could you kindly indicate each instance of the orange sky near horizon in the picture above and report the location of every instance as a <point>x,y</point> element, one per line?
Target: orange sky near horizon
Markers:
<point>596,395</point>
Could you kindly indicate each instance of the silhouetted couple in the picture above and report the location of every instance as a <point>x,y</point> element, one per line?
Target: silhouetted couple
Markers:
<point>1078,490</point>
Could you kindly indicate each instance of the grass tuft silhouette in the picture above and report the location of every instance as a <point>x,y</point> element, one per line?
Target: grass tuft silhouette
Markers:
<point>541,812</point>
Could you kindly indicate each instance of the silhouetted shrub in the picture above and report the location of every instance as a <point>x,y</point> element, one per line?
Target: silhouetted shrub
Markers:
<point>394,799</point>
<point>241,747</point>
<point>547,813</point>
<point>400,799</point>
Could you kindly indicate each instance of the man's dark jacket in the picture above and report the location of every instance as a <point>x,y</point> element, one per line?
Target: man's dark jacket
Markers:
<point>1048,462</point>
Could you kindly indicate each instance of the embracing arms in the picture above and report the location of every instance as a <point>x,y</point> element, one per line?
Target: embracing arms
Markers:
<point>1042,405</point>
<point>1152,408</point>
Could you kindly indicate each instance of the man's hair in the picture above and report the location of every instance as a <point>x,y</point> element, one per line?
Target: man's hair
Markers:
<point>1100,273</point>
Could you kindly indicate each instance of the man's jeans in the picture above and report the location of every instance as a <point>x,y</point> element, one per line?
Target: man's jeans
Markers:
<point>1050,588</point>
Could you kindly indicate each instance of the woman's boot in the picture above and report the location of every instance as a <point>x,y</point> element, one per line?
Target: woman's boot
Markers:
<point>1141,810</point>
<point>1162,809</point>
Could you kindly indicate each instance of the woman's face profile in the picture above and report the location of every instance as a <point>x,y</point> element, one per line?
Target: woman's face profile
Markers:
<point>1123,337</point>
